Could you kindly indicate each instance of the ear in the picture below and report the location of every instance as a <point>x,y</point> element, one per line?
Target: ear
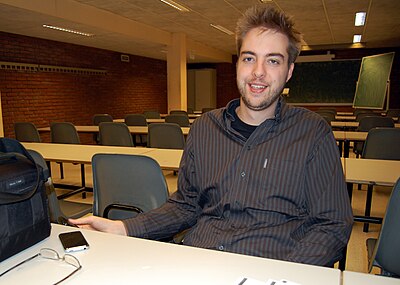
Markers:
<point>290,72</point>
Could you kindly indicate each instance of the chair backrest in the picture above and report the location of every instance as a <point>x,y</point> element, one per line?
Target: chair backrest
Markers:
<point>329,116</point>
<point>387,249</point>
<point>64,132</point>
<point>99,118</point>
<point>206,109</point>
<point>26,132</point>
<point>359,111</point>
<point>180,119</point>
<point>325,109</point>
<point>178,112</point>
<point>368,122</point>
<point>393,113</point>
<point>366,114</point>
<point>127,180</point>
<point>135,120</point>
<point>382,143</point>
<point>152,114</point>
<point>165,135</point>
<point>115,134</point>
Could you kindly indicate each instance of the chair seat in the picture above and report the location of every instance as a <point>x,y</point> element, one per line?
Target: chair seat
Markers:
<point>73,209</point>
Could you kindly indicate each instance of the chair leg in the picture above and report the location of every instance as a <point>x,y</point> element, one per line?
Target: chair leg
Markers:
<point>61,170</point>
<point>83,181</point>
<point>368,204</point>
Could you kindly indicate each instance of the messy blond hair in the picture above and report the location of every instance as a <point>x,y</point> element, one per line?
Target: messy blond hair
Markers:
<point>267,17</point>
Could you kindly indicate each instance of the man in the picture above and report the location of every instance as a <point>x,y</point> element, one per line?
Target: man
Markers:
<point>258,177</point>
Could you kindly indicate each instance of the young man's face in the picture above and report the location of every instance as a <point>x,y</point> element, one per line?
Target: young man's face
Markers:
<point>262,68</point>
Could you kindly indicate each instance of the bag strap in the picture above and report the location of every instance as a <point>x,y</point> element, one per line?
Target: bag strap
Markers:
<point>10,148</point>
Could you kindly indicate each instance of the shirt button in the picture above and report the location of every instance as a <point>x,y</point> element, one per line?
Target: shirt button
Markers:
<point>221,247</point>
<point>243,174</point>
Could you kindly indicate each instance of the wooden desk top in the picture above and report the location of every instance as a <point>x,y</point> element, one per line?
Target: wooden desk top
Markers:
<point>379,172</point>
<point>355,278</point>
<point>150,121</point>
<point>168,159</point>
<point>114,259</point>
<point>139,130</point>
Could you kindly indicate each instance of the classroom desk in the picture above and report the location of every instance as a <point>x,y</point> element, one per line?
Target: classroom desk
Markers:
<point>345,118</point>
<point>113,259</point>
<point>371,172</point>
<point>351,125</point>
<point>191,116</point>
<point>355,278</point>
<point>168,159</point>
<point>150,121</point>
<point>138,130</point>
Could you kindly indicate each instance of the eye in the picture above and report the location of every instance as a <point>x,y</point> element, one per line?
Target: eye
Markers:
<point>274,61</point>
<point>248,59</point>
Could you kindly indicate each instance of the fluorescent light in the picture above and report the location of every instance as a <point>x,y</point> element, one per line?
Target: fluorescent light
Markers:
<point>175,5</point>
<point>265,1</point>
<point>356,39</point>
<point>68,30</point>
<point>222,29</point>
<point>360,19</point>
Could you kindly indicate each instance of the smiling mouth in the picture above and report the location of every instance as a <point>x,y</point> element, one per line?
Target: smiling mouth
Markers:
<point>257,87</point>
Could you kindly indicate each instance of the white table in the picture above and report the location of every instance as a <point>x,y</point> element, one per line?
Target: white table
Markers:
<point>356,278</point>
<point>115,259</point>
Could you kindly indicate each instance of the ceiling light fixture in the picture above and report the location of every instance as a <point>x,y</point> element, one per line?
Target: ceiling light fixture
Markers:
<point>266,1</point>
<point>175,5</point>
<point>360,19</point>
<point>222,29</point>
<point>68,30</point>
<point>357,39</point>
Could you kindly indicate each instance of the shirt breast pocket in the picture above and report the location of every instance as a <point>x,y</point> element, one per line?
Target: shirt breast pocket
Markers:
<point>281,186</point>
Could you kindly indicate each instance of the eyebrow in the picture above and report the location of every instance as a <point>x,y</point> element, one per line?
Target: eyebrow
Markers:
<point>276,54</point>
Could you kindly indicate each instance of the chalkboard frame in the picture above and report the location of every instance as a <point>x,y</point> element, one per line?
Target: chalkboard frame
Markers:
<point>373,81</point>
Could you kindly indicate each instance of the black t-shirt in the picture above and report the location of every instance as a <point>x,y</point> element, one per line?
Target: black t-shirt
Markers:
<point>244,129</point>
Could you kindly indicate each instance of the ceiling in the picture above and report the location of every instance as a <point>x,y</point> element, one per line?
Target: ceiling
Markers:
<point>145,27</point>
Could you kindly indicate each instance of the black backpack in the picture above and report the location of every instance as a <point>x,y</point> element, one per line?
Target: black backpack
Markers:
<point>24,216</point>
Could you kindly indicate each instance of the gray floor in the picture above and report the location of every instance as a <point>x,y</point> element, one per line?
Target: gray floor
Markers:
<point>357,256</point>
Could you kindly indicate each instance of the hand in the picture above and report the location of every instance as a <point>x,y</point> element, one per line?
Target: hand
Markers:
<point>100,224</point>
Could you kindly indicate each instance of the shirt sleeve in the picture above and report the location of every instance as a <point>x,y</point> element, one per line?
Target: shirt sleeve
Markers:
<point>323,235</point>
<point>178,213</point>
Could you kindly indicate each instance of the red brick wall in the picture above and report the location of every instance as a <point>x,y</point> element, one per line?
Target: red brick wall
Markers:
<point>43,97</point>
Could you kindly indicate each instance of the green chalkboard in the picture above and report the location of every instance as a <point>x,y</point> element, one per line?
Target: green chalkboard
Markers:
<point>373,81</point>
<point>324,82</point>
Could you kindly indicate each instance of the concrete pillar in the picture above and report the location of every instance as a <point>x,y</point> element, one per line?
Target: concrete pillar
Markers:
<point>176,69</point>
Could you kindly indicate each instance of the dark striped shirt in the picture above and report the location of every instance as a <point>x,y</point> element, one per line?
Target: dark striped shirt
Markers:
<point>278,194</point>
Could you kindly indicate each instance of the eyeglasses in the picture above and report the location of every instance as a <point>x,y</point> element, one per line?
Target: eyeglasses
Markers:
<point>49,253</point>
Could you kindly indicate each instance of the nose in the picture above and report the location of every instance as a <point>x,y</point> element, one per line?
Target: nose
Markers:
<point>259,70</point>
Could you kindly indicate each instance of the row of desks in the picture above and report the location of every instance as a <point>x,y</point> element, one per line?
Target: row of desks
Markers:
<point>114,259</point>
<point>341,136</point>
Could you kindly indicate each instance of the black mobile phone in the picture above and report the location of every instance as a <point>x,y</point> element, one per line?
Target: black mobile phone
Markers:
<point>73,241</point>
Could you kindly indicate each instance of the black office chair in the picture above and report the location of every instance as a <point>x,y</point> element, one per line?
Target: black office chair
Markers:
<point>97,119</point>
<point>165,135</point>
<point>381,143</point>
<point>126,185</point>
<point>26,132</point>
<point>152,114</point>
<point>393,113</point>
<point>384,252</point>
<point>59,209</point>
<point>137,120</point>
<point>329,116</point>
<point>66,133</point>
<point>366,123</point>
<point>178,112</point>
<point>206,109</point>
<point>115,134</point>
<point>180,119</point>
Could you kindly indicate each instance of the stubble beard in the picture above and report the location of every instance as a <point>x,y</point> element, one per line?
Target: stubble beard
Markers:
<point>269,97</point>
